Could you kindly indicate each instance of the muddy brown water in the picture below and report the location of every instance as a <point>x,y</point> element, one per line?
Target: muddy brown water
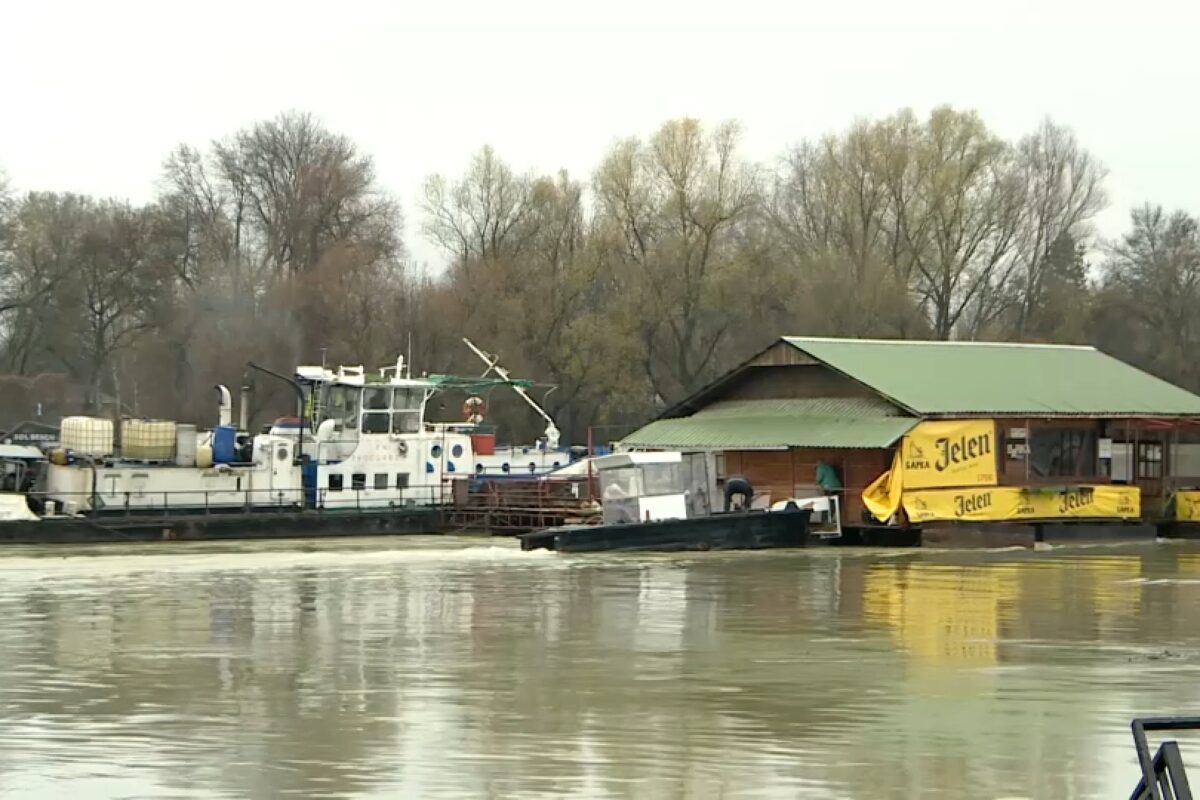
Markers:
<point>441,667</point>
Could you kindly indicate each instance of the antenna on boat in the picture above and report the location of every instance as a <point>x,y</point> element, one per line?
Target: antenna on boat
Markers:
<point>409,361</point>
<point>299,405</point>
<point>493,363</point>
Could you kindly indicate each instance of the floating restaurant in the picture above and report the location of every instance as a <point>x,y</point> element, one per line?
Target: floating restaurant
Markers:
<point>949,442</point>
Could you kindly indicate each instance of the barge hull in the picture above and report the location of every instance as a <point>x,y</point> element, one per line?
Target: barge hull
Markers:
<point>210,527</point>
<point>754,530</point>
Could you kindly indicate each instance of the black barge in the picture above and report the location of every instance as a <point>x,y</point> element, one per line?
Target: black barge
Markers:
<point>648,505</point>
<point>750,530</point>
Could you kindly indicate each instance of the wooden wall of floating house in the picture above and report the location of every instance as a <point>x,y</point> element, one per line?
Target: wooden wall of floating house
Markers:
<point>788,473</point>
<point>1015,438</point>
<point>1157,456</point>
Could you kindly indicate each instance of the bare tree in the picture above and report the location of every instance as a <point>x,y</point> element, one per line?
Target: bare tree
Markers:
<point>958,211</point>
<point>1063,192</point>
<point>482,216</point>
<point>1152,278</point>
<point>676,203</point>
<point>306,189</point>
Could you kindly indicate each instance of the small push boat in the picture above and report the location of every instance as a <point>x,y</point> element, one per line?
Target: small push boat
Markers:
<point>646,508</point>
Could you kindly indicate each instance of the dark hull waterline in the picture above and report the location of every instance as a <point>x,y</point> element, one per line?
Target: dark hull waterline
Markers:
<point>200,527</point>
<point>753,530</point>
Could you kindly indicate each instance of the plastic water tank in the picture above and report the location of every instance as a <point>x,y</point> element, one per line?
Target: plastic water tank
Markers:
<point>224,444</point>
<point>185,445</point>
<point>148,440</point>
<point>89,436</point>
<point>204,456</point>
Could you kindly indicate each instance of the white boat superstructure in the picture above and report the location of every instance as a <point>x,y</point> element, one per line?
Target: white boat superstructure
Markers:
<point>372,445</point>
<point>359,441</point>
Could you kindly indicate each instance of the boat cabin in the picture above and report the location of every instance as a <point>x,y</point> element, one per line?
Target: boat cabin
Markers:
<point>641,487</point>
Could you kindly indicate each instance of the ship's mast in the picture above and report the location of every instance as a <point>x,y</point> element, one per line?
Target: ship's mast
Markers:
<point>493,363</point>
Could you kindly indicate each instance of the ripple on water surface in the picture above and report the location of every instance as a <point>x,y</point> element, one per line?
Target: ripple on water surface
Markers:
<point>438,666</point>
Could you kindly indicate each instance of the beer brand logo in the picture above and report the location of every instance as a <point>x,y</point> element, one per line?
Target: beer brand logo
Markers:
<point>916,457</point>
<point>971,503</point>
<point>1074,499</point>
<point>966,448</point>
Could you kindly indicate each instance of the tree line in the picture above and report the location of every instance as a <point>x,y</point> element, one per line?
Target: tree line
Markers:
<point>618,293</point>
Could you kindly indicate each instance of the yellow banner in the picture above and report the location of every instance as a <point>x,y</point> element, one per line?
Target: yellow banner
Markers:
<point>950,453</point>
<point>1015,503</point>
<point>1187,506</point>
<point>882,495</point>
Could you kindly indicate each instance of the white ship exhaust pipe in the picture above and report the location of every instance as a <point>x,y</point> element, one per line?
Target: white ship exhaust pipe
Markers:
<point>224,405</point>
<point>244,408</point>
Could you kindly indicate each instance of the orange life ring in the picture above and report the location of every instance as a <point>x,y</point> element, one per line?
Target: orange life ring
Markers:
<point>474,407</point>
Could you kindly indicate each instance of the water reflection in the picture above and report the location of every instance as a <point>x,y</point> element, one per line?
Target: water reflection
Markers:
<point>427,668</point>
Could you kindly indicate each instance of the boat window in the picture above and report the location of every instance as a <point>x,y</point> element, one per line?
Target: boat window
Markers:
<point>407,399</point>
<point>335,482</point>
<point>436,451</point>
<point>401,480</point>
<point>358,480</point>
<point>343,405</point>
<point>375,398</point>
<point>406,422</point>
<point>375,422</point>
<point>620,483</point>
<point>381,480</point>
<point>660,479</point>
<point>456,451</point>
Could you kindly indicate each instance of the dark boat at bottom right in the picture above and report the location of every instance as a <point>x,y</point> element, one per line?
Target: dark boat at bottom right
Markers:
<point>649,505</point>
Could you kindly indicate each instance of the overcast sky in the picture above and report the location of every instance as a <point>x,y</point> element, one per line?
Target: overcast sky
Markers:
<point>96,93</point>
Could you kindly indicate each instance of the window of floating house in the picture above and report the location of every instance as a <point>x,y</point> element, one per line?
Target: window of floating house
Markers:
<point>1149,460</point>
<point>1062,453</point>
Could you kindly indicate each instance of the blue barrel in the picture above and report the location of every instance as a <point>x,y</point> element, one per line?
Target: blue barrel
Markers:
<point>224,444</point>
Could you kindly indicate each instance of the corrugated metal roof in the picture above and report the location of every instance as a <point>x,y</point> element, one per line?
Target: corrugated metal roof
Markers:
<point>718,432</point>
<point>844,407</point>
<point>945,378</point>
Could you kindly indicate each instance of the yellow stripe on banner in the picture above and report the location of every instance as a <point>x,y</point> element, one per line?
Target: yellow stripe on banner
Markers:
<point>1015,503</point>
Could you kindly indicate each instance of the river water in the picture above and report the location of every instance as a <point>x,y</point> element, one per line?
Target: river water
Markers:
<point>440,667</point>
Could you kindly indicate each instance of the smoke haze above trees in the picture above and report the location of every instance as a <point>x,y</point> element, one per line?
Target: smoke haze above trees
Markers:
<point>623,289</point>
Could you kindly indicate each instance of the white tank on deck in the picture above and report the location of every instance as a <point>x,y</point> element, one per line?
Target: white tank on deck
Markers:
<point>185,445</point>
<point>90,436</point>
<point>148,440</point>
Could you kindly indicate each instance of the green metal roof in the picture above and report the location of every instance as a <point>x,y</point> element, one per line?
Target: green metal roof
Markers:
<point>946,378</point>
<point>778,424</point>
<point>844,407</point>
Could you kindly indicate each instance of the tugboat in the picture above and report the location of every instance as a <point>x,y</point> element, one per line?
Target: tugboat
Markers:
<point>646,507</point>
<point>359,445</point>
